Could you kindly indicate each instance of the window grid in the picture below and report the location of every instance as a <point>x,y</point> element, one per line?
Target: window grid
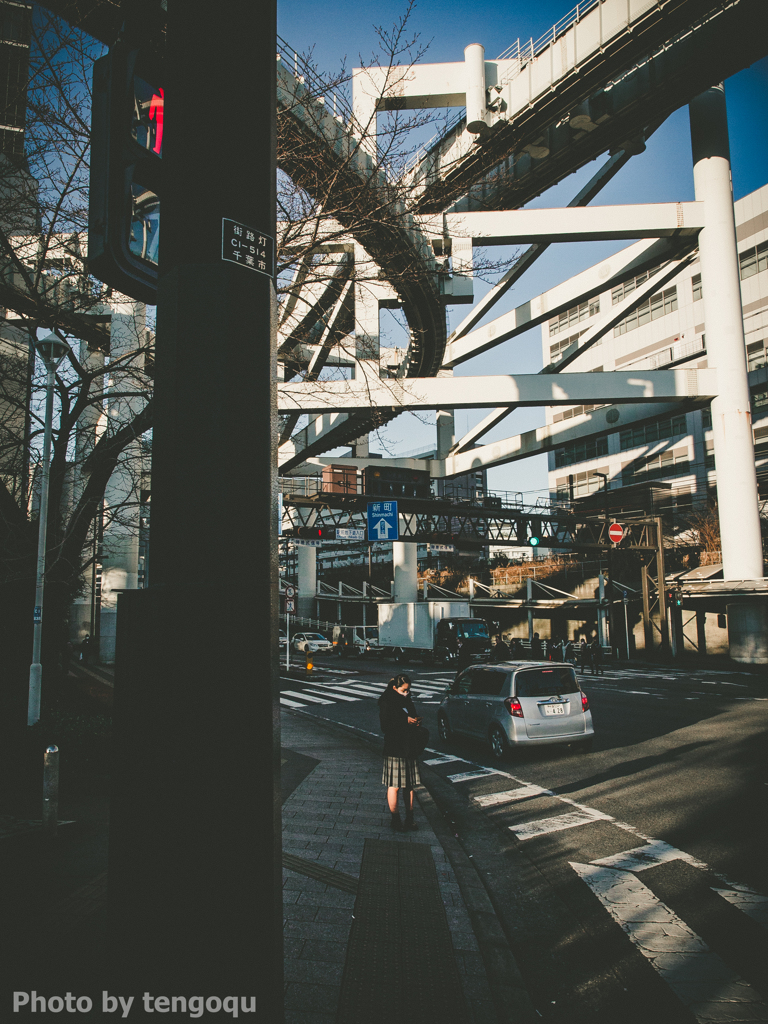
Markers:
<point>629,286</point>
<point>658,305</point>
<point>574,315</point>
<point>666,464</point>
<point>577,410</point>
<point>658,431</point>
<point>583,483</point>
<point>753,261</point>
<point>696,285</point>
<point>756,355</point>
<point>592,449</point>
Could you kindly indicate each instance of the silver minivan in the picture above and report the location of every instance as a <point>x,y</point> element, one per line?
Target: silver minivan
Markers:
<point>517,703</point>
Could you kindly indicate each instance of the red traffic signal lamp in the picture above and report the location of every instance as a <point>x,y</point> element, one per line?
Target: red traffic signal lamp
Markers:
<point>127,126</point>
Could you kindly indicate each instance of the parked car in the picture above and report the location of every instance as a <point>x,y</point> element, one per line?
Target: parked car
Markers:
<point>517,704</point>
<point>283,640</point>
<point>312,642</point>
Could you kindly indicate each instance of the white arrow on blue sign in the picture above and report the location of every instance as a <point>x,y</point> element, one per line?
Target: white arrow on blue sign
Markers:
<point>383,523</point>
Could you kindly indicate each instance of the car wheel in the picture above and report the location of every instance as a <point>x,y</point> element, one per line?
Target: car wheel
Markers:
<point>499,744</point>
<point>444,730</point>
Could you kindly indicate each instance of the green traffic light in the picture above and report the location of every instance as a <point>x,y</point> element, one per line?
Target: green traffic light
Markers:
<point>533,541</point>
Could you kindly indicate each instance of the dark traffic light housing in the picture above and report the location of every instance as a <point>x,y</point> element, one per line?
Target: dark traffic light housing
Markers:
<point>126,161</point>
<point>315,532</point>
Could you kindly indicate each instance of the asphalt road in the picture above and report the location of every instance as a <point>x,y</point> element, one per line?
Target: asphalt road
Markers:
<point>631,881</point>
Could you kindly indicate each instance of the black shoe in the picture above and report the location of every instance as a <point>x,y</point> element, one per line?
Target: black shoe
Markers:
<point>410,824</point>
<point>396,824</point>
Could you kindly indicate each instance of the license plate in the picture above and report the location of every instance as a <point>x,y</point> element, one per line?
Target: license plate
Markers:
<point>554,709</point>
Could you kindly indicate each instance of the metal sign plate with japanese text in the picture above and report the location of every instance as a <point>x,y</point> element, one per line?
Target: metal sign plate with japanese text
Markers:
<point>383,523</point>
<point>248,247</point>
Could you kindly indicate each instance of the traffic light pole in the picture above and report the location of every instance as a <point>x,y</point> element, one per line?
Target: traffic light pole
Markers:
<point>195,861</point>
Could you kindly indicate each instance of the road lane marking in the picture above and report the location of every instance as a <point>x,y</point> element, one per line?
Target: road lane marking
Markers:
<point>332,688</point>
<point>697,976</point>
<point>467,776</point>
<point>443,759</point>
<point>305,696</point>
<point>509,796</point>
<point>650,856</point>
<point>557,823</point>
<point>748,901</point>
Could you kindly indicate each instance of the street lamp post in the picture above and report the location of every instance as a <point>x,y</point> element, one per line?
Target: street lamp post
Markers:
<point>609,559</point>
<point>51,351</point>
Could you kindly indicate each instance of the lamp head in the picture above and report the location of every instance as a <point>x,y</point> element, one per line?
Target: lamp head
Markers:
<point>51,349</point>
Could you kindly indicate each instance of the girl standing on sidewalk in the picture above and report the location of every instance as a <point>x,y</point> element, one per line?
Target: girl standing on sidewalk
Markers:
<point>397,713</point>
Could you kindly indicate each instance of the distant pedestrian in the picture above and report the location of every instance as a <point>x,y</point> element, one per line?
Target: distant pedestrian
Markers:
<point>585,654</point>
<point>536,651</point>
<point>500,651</point>
<point>568,653</point>
<point>85,649</point>
<point>516,650</point>
<point>397,714</point>
<point>597,656</point>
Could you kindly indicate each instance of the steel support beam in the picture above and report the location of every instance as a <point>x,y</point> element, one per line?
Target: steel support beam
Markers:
<point>620,386</point>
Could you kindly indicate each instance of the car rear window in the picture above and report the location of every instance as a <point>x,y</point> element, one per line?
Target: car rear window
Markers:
<point>545,682</point>
<point>488,681</point>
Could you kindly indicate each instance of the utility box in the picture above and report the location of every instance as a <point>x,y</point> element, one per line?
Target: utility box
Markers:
<point>340,479</point>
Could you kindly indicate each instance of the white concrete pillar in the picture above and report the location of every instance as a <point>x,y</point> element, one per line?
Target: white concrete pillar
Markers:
<point>306,560</point>
<point>404,557</point>
<point>474,83</point>
<point>731,415</point>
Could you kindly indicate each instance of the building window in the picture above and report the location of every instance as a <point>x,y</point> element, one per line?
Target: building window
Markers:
<point>696,285</point>
<point>759,401</point>
<point>571,453</point>
<point>709,460</point>
<point>629,286</point>
<point>658,305</point>
<point>756,355</point>
<point>577,410</point>
<point>658,431</point>
<point>583,484</point>
<point>556,350</point>
<point>574,315</point>
<point>706,419</point>
<point>666,464</point>
<point>753,261</point>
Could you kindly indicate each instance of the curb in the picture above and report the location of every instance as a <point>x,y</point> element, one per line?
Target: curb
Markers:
<point>510,996</point>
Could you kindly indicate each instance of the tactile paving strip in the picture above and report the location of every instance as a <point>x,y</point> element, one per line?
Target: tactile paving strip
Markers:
<point>400,964</point>
<point>310,868</point>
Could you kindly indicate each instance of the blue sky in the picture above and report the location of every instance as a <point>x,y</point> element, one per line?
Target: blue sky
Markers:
<point>341,30</point>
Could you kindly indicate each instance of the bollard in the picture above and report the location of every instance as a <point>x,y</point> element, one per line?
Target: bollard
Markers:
<point>50,789</point>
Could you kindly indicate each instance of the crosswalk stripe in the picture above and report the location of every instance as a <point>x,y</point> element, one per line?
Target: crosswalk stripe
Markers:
<point>333,688</point>
<point>291,703</point>
<point>558,823</point>
<point>467,776</point>
<point>697,976</point>
<point>338,696</point>
<point>443,759</point>
<point>306,696</point>
<point>509,796</point>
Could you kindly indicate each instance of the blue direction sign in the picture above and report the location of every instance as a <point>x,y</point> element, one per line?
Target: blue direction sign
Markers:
<point>383,523</point>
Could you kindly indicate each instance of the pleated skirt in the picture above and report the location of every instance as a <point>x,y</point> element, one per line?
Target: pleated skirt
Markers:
<point>402,772</point>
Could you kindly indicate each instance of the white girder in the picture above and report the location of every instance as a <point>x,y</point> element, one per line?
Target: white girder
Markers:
<point>484,392</point>
<point>569,224</point>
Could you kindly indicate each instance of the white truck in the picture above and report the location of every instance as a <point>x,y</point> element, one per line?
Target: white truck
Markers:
<point>442,631</point>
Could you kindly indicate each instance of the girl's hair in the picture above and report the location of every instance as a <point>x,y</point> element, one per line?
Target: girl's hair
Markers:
<point>399,681</point>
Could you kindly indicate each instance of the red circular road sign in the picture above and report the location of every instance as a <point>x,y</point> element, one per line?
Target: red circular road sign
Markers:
<point>615,532</point>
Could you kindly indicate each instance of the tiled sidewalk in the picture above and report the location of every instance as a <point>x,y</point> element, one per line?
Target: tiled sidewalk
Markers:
<point>327,819</point>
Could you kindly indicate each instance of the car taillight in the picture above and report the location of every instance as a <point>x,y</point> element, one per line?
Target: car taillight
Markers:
<point>514,707</point>
<point>584,702</point>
